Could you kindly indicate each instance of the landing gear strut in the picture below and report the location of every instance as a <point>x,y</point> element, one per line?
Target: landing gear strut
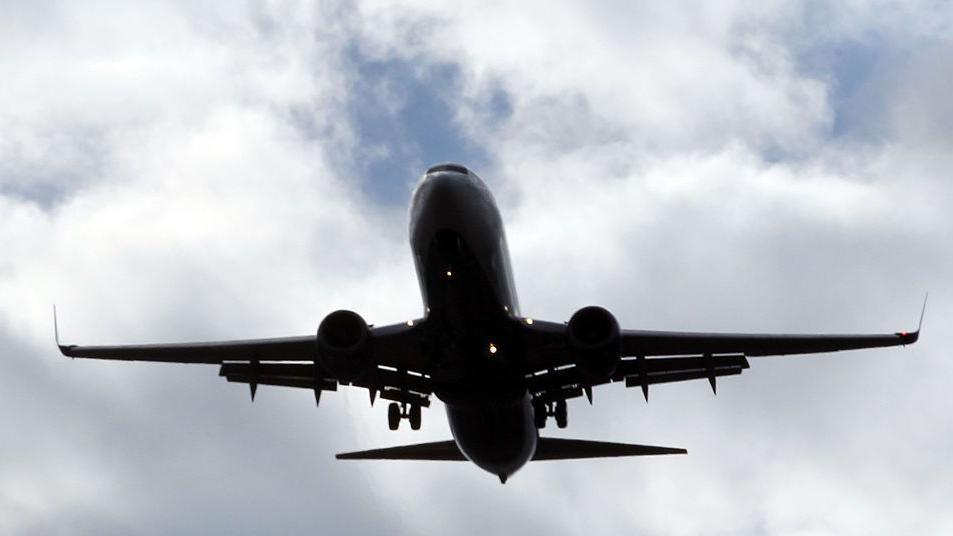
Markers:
<point>544,410</point>
<point>396,412</point>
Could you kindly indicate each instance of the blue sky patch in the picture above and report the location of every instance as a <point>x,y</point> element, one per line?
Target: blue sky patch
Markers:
<point>404,115</point>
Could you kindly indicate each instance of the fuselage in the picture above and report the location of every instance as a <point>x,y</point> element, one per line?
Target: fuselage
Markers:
<point>463,267</point>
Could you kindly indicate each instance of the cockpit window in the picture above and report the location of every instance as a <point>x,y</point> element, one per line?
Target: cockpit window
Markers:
<point>448,167</point>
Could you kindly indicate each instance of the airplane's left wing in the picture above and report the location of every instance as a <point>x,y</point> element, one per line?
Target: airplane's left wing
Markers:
<point>553,367</point>
<point>397,370</point>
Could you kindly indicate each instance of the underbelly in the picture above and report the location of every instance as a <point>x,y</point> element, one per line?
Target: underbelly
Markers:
<point>497,437</point>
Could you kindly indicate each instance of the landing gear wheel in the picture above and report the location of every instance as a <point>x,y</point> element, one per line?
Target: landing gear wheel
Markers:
<point>539,414</point>
<point>414,417</point>
<point>562,417</point>
<point>393,416</point>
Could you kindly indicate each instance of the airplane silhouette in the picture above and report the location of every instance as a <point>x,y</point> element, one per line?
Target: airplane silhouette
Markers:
<point>500,375</point>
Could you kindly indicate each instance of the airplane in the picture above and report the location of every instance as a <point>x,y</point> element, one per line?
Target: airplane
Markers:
<point>500,375</point>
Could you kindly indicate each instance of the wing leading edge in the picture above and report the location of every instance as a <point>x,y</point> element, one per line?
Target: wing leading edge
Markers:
<point>216,352</point>
<point>667,343</point>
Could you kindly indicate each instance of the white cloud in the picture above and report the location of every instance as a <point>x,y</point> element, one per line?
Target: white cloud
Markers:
<point>170,171</point>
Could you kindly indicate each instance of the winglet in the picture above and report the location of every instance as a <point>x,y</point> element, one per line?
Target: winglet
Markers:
<point>64,349</point>
<point>56,327</point>
<point>907,337</point>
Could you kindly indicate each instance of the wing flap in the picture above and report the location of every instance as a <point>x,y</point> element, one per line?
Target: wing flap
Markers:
<point>669,377</point>
<point>409,397</point>
<point>565,383</point>
<point>415,391</point>
<point>629,366</point>
<point>302,375</point>
<point>381,378</point>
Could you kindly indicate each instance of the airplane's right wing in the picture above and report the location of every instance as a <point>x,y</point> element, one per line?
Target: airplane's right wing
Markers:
<point>284,349</point>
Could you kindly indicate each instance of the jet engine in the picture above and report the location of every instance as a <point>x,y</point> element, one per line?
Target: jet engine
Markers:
<point>595,339</point>
<point>343,345</point>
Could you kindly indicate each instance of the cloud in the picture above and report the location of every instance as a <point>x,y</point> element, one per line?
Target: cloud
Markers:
<point>172,171</point>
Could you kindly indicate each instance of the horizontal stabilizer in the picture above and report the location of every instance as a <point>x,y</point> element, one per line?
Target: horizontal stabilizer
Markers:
<point>438,451</point>
<point>553,448</point>
<point>548,448</point>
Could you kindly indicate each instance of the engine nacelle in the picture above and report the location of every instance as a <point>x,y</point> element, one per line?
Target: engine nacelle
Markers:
<point>343,345</point>
<point>595,339</point>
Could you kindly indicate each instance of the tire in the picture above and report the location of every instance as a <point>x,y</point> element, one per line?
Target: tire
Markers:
<point>393,416</point>
<point>562,415</point>
<point>415,417</point>
<point>539,415</point>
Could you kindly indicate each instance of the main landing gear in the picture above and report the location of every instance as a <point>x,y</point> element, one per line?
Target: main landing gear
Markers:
<point>543,410</point>
<point>396,412</point>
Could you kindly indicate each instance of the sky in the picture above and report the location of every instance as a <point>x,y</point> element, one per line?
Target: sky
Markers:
<point>176,171</point>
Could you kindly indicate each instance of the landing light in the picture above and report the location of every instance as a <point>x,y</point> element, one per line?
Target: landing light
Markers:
<point>410,323</point>
<point>493,348</point>
<point>449,273</point>
<point>529,321</point>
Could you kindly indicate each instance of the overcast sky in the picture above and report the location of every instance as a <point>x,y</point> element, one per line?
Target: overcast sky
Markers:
<point>197,170</point>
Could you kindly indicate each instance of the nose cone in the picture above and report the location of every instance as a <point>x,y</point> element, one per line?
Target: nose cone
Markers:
<point>450,197</point>
<point>449,166</point>
<point>447,189</point>
<point>448,192</point>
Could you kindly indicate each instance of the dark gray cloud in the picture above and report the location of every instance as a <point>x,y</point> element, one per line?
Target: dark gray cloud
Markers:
<point>689,166</point>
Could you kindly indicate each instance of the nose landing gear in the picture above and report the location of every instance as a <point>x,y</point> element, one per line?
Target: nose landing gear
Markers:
<point>543,410</point>
<point>396,412</point>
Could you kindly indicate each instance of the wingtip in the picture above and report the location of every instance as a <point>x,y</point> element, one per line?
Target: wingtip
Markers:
<point>910,337</point>
<point>64,349</point>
